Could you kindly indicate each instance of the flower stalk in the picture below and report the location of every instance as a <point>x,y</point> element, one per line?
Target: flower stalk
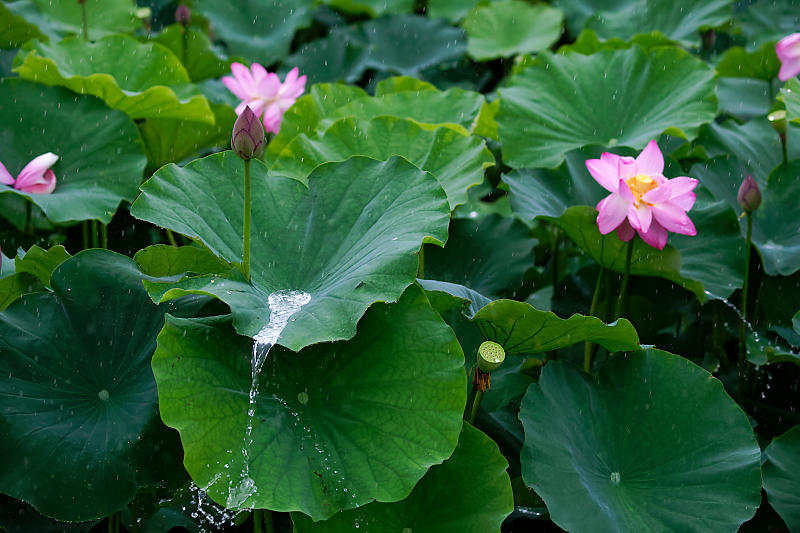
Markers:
<point>83,19</point>
<point>623,290</point>
<point>587,349</point>
<point>247,209</point>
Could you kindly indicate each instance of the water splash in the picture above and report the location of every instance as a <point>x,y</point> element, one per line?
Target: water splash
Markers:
<point>211,517</point>
<point>282,305</point>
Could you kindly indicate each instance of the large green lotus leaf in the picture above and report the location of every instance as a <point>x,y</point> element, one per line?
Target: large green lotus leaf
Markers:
<point>100,163</point>
<point>511,27</point>
<point>761,64</point>
<point>521,329</point>
<point>168,140</point>
<point>15,285</point>
<point>613,97</point>
<point>776,223</point>
<point>161,260</point>
<point>445,296</point>
<point>40,262</point>
<point>754,143</point>
<point>761,351</point>
<point>57,18</point>
<point>19,517</point>
<point>15,30</point>
<point>260,30</point>
<point>765,21</point>
<point>335,426</point>
<point>638,447</point>
<point>578,11</point>
<point>744,98</point>
<point>455,159</point>
<point>677,19</point>
<point>195,51</point>
<point>708,264</point>
<point>781,473</point>
<point>468,493</point>
<point>145,80</point>
<point>348,239</point>
<point>78,398</point>
<point>489,255</point>
<point>452,10</point>
<point>373,8</point>
<point>313,113</point>
<point>588,43</point>
<point>397,44</point>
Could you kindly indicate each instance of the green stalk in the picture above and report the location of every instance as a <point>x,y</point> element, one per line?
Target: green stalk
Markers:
<point>421,265</point>
<point>258,521</point>
<point>170,237</point>
<point>743,322</point>
<point>246,243</point>
<point>554,260</point>
<point>476,403</point>
<point>783,149</point>
<point>104,235</point>
<point>624,287</point>
<point>83,19</point>
<point>85,227</point>
<point>95,243</point>
<point>269,527</point>
<point>587,350</point>
<point>28,228</point>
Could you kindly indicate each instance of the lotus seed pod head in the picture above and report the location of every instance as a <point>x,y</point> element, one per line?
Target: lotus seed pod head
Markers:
<point>247,139</point>
<point>490,356</point>
<point>183,15</point>
<point>778,121</point>
<point>749,196</point>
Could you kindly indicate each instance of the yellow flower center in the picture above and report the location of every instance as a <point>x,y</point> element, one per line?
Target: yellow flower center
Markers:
<point>639,185</point>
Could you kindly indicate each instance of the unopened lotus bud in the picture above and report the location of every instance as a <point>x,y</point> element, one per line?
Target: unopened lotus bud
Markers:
<point>749,196</point>
<point>778,121</point>
<point>247,139</point>
<point>183,15</point>
<point>490,356</point>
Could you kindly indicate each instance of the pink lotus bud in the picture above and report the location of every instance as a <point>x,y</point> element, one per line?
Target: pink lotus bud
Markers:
<point>248,135</point>
<point>183,15</point>
<point>749,196</point>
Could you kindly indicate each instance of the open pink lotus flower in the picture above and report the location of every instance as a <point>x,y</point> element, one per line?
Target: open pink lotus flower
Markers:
<point>642,200</point>
<point>788,51</point>
<point>35,178</point>
<point>263,92</point>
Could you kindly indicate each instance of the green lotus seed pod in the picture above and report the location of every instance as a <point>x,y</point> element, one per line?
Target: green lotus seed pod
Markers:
<point>490,356</point>
<point>778,121</point>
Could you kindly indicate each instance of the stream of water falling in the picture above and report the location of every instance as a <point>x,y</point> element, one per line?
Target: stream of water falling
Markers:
<point>282,305</point>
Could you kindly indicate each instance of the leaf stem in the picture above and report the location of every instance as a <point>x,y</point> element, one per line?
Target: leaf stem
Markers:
<point>476,403</point>
<point>83,19</point>
<point>554,258</point>
<point>587,350</point>
<point>28,228</point>
<point>258,521</point>
<point>421,265</point>
<point>170,237</point>
<point>95,242</point>
<point>104,235</point>
<point>85,227</point>
<point>246,243</point>
<point>743,323</point>
<point>625,277</point>
<point>269,527</point>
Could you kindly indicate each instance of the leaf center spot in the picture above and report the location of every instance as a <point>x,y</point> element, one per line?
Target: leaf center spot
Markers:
<point>302,397</point>
<point>103,395</point>
<point>615,478</point>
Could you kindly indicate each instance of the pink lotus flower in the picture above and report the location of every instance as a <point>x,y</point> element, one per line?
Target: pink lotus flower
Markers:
<point>35,178</point>
<point>263,92</point>
<point>788,51</point>
<point>642,200</point>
